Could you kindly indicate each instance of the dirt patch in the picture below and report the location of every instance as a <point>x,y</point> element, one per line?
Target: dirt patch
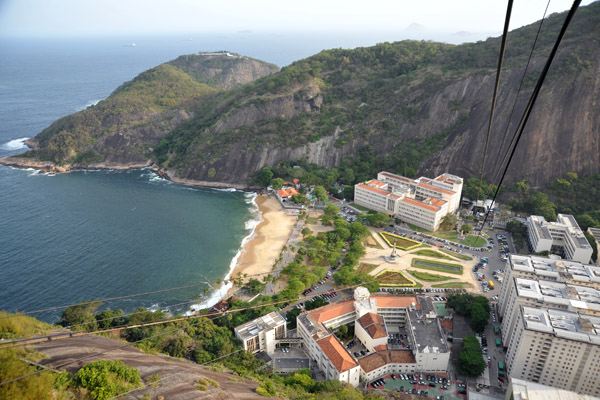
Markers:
<point>178,377</point>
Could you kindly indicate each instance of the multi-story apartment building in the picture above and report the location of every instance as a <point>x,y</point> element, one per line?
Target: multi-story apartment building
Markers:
<point>556,348</point>
<point>564,237</point>
<point>371,315</point>
<point>261,334</point>
<point>423,202</point>
<point>550,320</point>
<point>519,389</point>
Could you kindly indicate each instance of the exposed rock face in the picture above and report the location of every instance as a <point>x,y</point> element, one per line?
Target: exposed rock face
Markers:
<point>391,97</point>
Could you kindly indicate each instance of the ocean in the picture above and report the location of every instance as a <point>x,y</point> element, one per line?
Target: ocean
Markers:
<point>103,234</point>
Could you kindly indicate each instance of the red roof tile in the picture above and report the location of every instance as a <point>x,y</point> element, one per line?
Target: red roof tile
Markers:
<point>328,312</point>
<point>287,192</point>
<point>337,354</point>
<point>395,301</point>
<point>374,190</point>
<point>420,204</point>
<point>376,331</point>
<point>437,189</point>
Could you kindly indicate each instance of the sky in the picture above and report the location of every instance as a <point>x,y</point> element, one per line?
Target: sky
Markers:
<point>84,18</point>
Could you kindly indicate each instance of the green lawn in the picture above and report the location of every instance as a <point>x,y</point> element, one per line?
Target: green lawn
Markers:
<point>437,266</point>
<point>474,241</point>
<point>402,243</point>
<point>457,255</point>
<point>361,208</point>
<point>432,253</point>
<point>427,277</point>
<point>453,285</point>
<point>395,278</point>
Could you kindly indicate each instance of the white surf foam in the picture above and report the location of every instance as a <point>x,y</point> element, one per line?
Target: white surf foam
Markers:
<point>15,144</point>
<point>88,104</point>
<point>250,225</point>
<point>225,189</point>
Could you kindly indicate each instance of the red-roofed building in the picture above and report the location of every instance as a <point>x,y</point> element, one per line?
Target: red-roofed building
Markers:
<point>370,331</point>
<point>286,193</point>
<point>372,315</point>
<point>422,202</point>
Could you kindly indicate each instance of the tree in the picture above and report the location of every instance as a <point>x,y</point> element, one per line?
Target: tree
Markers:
<point>276,183</point>
<point>315,303</point>
<point>470,360</point>
<point>306,231</point>
<point>449,221</point>
<point>254,286</point>
<point>320,193</point>
<point>479,317</point>
<point>378,220</point>
<point>81,316</point>
<point>348,192</point>
<point>466,229</point>
<point>265,175</point>
<point>291,317</point>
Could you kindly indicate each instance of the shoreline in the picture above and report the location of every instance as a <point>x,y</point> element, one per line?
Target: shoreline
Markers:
<point>51,168</point>
<point>259,250</point>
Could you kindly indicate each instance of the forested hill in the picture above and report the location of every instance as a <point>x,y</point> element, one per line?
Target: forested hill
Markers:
<point>409,107</point>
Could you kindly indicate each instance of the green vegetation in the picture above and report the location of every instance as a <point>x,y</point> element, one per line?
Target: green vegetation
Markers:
<point>470,360</point>
<point>402,243</point>
<point>474,241</point>
<point>254,286</point>
<point>474,191</point>
<point>395,279</point>
<point>453,285</point>
<point>427,277</point>
<point>518,231</point>
<point>432,253</point>
<point>378,220</point>
<point>361,208</point>
<point>449,221</point>
<point>477,308</point>
<point>437,266</point>
<point>106,379</point>
<point>20,325</point>
<point>456,255</point>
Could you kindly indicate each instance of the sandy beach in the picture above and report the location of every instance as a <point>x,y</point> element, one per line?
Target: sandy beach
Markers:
<point>262,250</point>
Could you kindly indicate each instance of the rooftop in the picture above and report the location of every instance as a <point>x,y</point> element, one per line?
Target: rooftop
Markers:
<point>435,188</point>
<point>427,333</point>
<point>421,204</point>
<point>337,354</point>
<point>266,322</point>
<point>380,358</point>
<point>391,301</point>
<point>563,324</point>
<point>525,390</point>
<point>328,312</point>
<point>287,192</point>
<point>573,297</point>
<point>561,270</point>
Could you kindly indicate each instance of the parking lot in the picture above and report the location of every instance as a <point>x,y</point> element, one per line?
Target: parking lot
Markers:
<point>431,386</point>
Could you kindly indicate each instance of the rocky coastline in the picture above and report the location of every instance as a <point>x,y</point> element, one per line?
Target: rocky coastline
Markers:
<point>52,168</point>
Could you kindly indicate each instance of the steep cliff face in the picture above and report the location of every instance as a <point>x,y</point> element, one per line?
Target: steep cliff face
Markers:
<point>122,130</point>
<point>422,107</point>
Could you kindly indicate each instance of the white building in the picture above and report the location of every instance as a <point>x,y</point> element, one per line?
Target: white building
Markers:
<point>422,202</point>
<point>563,237</point>
<point>550,319</point>
<point>556,348</point>
<point>519,389</point>
<point>260,334</point>
<point>372,315</point>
